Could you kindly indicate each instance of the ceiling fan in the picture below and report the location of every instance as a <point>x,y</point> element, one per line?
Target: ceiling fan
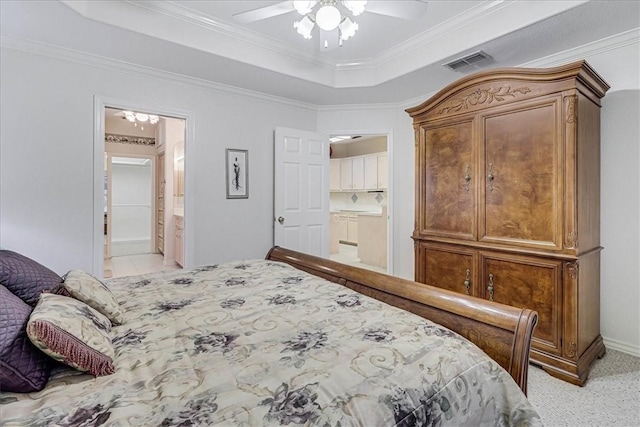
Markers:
<point>333,17</point>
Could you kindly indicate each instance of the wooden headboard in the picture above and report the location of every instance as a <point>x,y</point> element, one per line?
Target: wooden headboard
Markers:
<point>501,331</point>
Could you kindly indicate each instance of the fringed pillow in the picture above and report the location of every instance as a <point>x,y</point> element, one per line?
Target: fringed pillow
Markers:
<point>91,291</point>
<point>73,333</point>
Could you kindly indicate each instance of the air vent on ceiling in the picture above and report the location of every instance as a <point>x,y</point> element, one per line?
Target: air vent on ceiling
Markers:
<point>473,60</point>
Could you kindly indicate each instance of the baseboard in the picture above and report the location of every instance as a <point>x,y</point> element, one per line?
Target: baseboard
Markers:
<point>622,347</point>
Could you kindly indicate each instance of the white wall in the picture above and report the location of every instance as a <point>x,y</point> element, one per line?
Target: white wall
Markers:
<point>46,165</point>
<point>47,158</point>
<point>620,184</point>
<point>382,119</point>
<point>620,219</point>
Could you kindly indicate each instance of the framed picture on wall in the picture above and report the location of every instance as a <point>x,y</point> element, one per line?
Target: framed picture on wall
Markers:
<point>237,173</point>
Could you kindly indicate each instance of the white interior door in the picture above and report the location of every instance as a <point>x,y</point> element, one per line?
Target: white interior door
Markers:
<point>301,205</point>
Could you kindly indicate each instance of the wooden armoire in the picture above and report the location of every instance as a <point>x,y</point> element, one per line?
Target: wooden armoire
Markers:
<point>508,201</point>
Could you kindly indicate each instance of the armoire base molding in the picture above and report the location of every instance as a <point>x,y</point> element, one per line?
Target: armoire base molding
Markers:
<point>568,370</point>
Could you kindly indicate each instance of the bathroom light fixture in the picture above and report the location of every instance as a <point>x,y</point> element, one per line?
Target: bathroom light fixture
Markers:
<point>140,117</point>
<point>328,17</point>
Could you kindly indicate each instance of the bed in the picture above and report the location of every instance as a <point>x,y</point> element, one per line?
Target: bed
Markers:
<point>294,340</point>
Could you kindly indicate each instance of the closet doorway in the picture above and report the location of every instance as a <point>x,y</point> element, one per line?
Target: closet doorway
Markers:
<point>129,205</point>
<point>144,192</point>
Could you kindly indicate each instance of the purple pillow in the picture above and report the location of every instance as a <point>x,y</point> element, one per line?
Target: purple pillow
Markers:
<point>26,278</point>
<point>23,368</point>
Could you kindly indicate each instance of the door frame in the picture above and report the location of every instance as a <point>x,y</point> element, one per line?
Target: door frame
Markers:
<point>99,105</point>
<point>389,134</point>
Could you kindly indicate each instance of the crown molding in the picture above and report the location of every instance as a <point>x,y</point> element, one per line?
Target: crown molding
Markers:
<point>449,38</point>
<point>183,13</point>
<point>69,55</point>
<point>431,35</point>
<point>627,38</point>
<point>240,44</point>
<point>180,12</point>
<point>604,45</point>
<point>614,42</point>
<point>358,107</point>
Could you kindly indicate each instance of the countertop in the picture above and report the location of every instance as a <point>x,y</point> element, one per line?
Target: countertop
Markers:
<point>370,213</point>
<point>359,212</point>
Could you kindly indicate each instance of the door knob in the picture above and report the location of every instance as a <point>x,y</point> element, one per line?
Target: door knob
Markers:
<point>281,220</point>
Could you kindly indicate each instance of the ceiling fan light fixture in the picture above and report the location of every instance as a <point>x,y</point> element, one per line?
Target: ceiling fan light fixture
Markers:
<point>142,117</point>
<point>347,28</point>
<point>328,17</point>
<point>304,7</point>
<point>135,117</point>
<point>304,27</point>
<point>356,7</point>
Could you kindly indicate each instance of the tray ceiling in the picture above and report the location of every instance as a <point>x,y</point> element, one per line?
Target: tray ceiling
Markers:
<point>387,60</point>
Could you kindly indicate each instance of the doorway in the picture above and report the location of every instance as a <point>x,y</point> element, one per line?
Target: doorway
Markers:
<point>144,192</point>
<point>360,200</point>
<point>129,205</point>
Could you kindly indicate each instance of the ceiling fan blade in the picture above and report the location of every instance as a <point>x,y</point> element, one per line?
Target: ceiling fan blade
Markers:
<point>398,9</point>
<point>264,12</point>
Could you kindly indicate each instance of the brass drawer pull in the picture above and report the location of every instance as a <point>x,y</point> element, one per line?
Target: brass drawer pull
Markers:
<point>490,287</point>
<point>467,281</point>
<point>467,178</point>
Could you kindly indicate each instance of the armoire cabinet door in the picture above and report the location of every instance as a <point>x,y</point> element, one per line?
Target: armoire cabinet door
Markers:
<point>447,267</point>
<point>527,282</point>
<point>446,183</point>
<point>522,190</point>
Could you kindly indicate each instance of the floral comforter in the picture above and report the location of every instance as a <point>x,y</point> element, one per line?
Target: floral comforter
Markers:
<point>260,343</point>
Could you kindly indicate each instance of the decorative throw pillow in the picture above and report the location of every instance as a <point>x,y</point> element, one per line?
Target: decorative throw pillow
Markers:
<point>73,333</point>
<point>23,368</point>
<point>91,291</point>
<point>26,278</point>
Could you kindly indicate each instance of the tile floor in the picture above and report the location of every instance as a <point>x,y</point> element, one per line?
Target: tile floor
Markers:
<point>131,265</point>
<point>349,255</point>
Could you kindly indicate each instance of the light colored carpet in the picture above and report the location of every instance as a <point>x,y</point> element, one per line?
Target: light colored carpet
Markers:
<point>611,396</point>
